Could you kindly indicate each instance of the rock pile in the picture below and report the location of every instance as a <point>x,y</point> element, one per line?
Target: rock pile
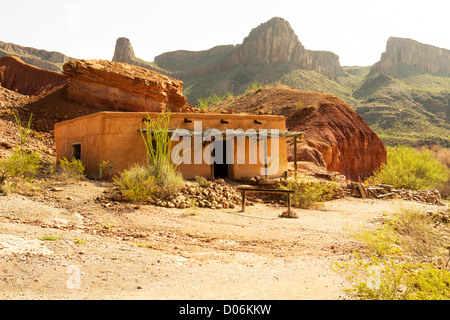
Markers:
<point>380,191</point>
<point>214,195</point>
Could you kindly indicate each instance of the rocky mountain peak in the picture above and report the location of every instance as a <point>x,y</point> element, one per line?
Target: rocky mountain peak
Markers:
<point>407,55</point>
<point>271,42</point>
<point>275,42</point>
<point>124,51</point>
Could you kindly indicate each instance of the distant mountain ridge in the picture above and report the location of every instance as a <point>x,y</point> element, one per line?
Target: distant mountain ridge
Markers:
<point>271,43</point>
<point>405,96</point>
<point>48,60</point>
<point>417,57</point>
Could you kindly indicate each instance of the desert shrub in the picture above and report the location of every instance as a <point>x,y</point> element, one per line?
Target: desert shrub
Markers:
<point>407,231</point>
<point>22,164</point>
<point>203,182</point>
<point>136,183</point>
<point>212,99</point>
<point>387,279</point>
<point>308,194</point>
<point>417,232</point>
<point>159,146</point>
<point>73,169</point>
<point>407,235</point>
<point>382,241</point>
<point>412,169</point>
<point>24,132</point>
<point>159,176</point>
<point>103,168</point>
<point>254,86</point>
<point>49,238</point>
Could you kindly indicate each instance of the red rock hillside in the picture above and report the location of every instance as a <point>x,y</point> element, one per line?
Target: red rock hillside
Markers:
<point>336,137</point>
<point>121,86</point>
<point>26,79</point>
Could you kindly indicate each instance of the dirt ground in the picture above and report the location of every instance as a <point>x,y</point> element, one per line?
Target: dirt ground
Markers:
<point>112,250</point>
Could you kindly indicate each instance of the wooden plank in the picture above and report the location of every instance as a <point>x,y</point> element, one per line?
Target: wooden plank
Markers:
<point>373,193</point>
<point>385,195</point>
<point>265,190</point>
<point>361,190</point>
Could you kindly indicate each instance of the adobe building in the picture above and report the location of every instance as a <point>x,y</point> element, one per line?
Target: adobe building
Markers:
<point>117,137</point>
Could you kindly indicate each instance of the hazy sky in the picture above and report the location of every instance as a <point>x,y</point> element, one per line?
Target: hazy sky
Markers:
<point>357,31</point>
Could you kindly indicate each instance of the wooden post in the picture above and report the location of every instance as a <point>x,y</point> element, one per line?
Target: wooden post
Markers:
<point>289,204</point>
<point>211,160</point>
<point>295,157</point>
<point>265,157</point>
<point>243,200</point>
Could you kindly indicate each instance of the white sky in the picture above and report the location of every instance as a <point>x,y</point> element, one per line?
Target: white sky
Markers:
<point>357,31</point>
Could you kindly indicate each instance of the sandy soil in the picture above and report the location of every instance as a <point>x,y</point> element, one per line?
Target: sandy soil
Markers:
<point>111,250</point>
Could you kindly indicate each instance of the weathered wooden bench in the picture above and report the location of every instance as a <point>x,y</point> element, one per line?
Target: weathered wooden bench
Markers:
<point>245,189</point>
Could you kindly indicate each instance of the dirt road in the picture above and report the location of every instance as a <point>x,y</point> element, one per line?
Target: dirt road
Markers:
<point>65,243</point>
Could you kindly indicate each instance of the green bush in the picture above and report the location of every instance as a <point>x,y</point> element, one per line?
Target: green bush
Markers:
<point>387,279</point>
<point>408,231</point>
<point>21,164</point>
<point>308,194</point>
<point>401,244</point>
<point>73,169</point>
<point>411,169</point>
<point>203,182</point>
<point>136,183</point>
<point>254,86</point>
<point>204,103</point>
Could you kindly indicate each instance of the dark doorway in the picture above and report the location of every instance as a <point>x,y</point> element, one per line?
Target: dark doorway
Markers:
<point>76,151</point>
<point>220,161</point>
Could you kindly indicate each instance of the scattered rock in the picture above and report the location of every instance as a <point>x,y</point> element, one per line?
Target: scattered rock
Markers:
<point>287,214</point>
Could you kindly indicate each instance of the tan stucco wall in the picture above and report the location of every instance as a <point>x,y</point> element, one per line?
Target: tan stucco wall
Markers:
<point>114,137</point>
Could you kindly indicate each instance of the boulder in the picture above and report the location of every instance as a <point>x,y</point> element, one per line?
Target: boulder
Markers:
<point>337,135</point>
<point>119,86</point>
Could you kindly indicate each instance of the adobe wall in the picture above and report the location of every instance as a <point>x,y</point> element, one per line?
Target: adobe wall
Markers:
<point>114,137</point>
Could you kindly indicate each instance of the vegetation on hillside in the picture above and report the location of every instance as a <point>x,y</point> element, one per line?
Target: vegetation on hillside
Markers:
<point>414,169</point>
<point>410,109</point>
